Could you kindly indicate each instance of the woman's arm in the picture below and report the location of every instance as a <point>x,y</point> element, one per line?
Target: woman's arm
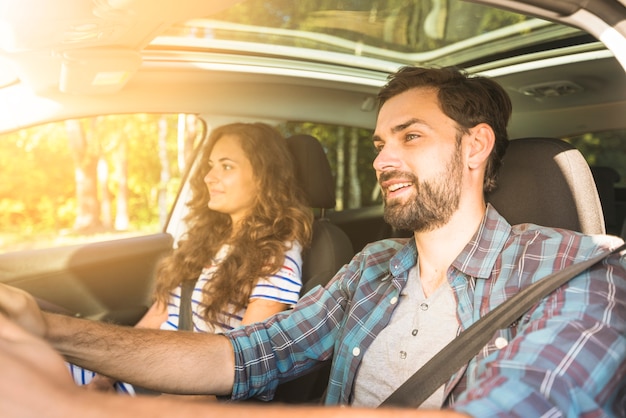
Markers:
<point>154,317</point>
<point>260,309</point>
<point>276,293</point>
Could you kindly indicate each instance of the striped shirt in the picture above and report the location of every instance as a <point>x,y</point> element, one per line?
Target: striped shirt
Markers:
<point>283,286</point>
<point>565,357</point>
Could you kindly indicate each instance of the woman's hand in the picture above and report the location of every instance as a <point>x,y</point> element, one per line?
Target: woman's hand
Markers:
<point>101,383</point>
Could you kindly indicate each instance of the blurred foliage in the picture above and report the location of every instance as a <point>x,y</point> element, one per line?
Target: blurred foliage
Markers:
<point>335,138</point>
<point>604,149</point>
<point>411,26</point>
<point>34,192</point>
<point>38,196</point>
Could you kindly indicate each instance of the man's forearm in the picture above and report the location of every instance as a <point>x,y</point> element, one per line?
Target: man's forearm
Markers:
<point>124,406</point>
<point>190,363</point>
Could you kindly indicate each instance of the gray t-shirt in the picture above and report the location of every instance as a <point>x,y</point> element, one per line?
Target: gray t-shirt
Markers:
<point>418,329</point>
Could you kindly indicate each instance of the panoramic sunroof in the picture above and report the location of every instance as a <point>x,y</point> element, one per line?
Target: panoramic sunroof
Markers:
<point>436,32</point>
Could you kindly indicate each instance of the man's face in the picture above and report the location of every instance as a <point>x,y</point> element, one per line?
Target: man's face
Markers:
<point>419,166</point>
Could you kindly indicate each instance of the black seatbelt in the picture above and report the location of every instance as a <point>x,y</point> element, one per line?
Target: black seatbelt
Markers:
<point>185,322</point>
<point>425,381</point>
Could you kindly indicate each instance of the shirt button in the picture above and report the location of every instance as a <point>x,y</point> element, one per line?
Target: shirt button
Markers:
<point>424,306</point>
<point>356,351</point>
<point>414,332</point>
<point>393,300</point>
<point>501,342</point>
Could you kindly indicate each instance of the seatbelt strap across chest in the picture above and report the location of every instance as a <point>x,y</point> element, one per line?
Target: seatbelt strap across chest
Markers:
<point>185,322</point>
<point>460,351</point>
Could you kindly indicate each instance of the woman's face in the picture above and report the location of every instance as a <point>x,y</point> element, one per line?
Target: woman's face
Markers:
<point>230,179</point>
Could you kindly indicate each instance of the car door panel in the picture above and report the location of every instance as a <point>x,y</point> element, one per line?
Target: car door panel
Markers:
<point>109,281</point>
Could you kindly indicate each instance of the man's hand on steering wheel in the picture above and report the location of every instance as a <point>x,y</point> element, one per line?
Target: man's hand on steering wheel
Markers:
<point>21,307</point>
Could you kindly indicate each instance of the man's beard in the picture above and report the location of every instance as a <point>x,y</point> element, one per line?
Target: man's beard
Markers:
<point>435,201</point>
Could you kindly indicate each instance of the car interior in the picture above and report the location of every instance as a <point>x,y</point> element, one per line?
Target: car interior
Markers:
<point>311,69</point>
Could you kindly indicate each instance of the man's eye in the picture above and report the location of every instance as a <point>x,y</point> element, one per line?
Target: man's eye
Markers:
<point>411,137</point>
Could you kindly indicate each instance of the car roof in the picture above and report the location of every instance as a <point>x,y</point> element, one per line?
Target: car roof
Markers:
<point>277,60</point>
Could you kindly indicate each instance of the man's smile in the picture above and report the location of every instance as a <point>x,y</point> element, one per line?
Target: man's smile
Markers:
<point>398,186</point>
<point>395,184</point>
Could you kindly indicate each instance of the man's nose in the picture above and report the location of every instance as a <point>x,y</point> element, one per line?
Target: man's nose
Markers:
<point>388,158</point>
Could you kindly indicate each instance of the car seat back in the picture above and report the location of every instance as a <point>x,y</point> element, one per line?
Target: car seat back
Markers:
<point>330,249</point>
<point>330,246</point>
<point>546,181</point>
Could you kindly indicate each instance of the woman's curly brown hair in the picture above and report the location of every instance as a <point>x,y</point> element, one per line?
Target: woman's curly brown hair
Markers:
<point>279,217</point>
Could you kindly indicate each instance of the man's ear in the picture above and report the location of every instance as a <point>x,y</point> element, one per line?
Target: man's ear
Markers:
<point>482,140</point>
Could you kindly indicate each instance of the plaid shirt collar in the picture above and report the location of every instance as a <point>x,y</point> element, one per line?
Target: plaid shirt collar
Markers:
<point>477,258</point>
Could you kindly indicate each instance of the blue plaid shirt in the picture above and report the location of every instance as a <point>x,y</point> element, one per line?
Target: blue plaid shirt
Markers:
<point>566,356</point>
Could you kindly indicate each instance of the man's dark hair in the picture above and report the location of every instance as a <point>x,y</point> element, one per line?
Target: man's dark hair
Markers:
<point>466,100</point>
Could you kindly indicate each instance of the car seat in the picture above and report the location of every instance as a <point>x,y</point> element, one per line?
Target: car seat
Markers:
<point>546,181</point>
<point>330,247</point>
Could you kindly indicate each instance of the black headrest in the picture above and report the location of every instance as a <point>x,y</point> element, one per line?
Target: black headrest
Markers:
<point>313,170</point>
<point>547,181</point>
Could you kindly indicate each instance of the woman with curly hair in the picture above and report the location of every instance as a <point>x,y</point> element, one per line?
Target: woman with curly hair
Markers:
<point>246,227</point>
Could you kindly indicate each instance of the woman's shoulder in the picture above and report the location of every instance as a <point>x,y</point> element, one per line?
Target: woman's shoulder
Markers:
<point>293,246</point>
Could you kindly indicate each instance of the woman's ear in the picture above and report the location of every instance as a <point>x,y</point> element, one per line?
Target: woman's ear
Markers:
<point>482,139</point>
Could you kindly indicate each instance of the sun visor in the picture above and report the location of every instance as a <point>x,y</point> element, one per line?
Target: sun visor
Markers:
<point>97,70</point>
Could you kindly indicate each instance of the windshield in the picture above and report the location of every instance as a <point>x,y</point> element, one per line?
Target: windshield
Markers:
<point>372,33</point>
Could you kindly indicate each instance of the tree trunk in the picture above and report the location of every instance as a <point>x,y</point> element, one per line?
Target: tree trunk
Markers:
<point>340,168</point>
<point>105,194</point>
<point>122,220</point>
<point>354,196</point>
<point>86,175</point>
<point>165,171</point>
<point>187,133</point>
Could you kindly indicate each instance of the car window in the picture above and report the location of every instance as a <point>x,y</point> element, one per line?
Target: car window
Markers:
<point>604,149</point>
<point>350,153</point>
<point>92,179</point>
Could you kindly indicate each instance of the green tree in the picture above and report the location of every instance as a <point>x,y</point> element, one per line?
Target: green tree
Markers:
<point>75,178</point>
